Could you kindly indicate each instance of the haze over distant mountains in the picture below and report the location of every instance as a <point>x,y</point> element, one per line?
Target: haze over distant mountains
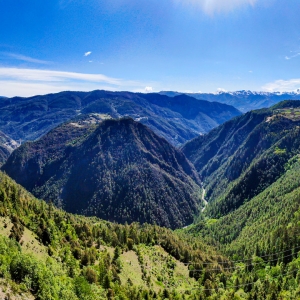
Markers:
<point>177,119</point>
<point>242,100</point>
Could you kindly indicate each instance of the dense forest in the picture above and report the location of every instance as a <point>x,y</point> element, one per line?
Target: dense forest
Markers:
<point>51,254</point>
<point>240,189</point>
<point>56,255</point>
<point>118,170</point>
<point>242,157</point>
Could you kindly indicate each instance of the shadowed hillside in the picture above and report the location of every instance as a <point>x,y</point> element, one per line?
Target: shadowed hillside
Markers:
<point>119,170</point>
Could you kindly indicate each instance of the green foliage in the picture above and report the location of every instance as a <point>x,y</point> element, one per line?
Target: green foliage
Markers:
<point>75,267</point>
<point>279,151</point>
<point>263,233</point>
<point>251,168</point>
<point>259,230</point>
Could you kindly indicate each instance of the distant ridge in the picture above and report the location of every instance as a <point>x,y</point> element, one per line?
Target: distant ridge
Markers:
<point>177,119</point>
<point>243,100</point>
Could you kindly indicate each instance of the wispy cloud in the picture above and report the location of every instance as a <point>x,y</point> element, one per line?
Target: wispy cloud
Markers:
<point>25,58</point>
<point>87,53</point>
<point>148,89</point>
<point>50,75</point>
<point>212,6</point>
<point>282,85</point>
<point>292,56</point>
<point>221,90</point>
<point>28,82</point>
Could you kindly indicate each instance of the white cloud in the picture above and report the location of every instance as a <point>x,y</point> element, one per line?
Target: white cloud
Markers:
<point>26,58</point>
<point>282,85</point>
<point>292,56</point>
<point>28,82</point>
<point>87,53</point>
<point>212,6</point>
<point>148,89</point>
<point>26,89</point>
<point>221,90</point>
<point>50,75</point>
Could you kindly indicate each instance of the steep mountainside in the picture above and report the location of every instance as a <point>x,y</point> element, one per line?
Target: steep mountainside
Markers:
<point>176,119</point>
<point>267,224</point>
<point>7,145</point>
<point>47,253</point>
<point>262,236</point>
<point>57,255</point>
<point>119,170</point>
<point>243,100</point>
<point>242,157</point>
<point>51,254</point>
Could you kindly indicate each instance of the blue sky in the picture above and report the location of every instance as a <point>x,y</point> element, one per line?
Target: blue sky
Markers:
<point>149,45</point>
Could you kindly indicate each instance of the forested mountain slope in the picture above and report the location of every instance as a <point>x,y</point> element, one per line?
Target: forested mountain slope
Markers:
<point>176,119</point>
<point>55,255</point>
<point>242,157</point>
<point>262,237</point>
<point>118,170</point>
<point>267,224</point>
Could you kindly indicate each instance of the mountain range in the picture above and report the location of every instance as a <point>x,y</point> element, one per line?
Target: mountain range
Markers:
<point>232,194</point>
<point>177,119</point>
<point>242,100</point>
